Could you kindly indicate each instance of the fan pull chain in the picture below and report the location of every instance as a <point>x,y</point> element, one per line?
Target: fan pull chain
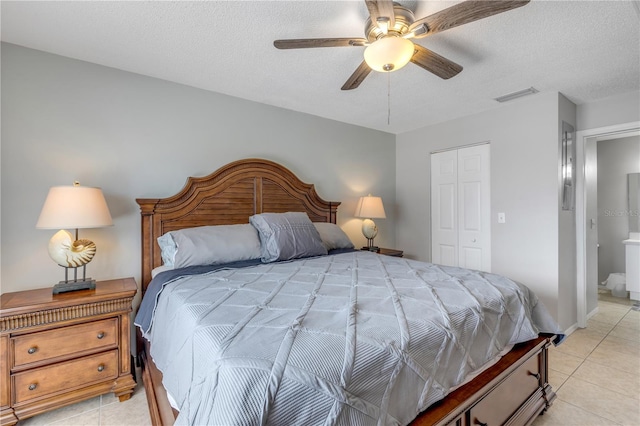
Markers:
<point>388,98</point>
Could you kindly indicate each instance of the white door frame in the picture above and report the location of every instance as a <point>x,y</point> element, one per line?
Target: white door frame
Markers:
<point>582,137</point>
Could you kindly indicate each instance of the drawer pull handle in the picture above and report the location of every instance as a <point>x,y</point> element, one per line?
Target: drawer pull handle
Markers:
<point>100,335</point>
<point>101,367</point>
<point>32,350</point>
<point>536,375</point>
<point>33,386</point>
<point>479,423</point>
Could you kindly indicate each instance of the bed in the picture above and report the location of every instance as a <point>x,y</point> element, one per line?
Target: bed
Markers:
<point>512,389</point>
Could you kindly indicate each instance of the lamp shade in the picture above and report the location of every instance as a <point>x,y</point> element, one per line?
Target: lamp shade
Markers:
<point>370,207</point>
<point>74,207</point>
<point>389,54</point>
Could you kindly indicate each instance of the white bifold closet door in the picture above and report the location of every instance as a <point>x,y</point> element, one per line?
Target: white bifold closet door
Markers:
<point>460,208</point>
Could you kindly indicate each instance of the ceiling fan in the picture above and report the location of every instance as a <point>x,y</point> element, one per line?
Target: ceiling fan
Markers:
<point>390,27</point>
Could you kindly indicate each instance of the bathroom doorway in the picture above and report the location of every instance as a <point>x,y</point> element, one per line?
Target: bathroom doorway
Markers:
<point>617,160</point>
<point>588,217</point>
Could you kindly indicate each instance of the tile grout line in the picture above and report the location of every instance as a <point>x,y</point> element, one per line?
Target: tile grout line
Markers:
<point>582,362</point>
<point>585,358</point>
<point>584,380</point>
<point>615,423</point>
<point>599,343</point>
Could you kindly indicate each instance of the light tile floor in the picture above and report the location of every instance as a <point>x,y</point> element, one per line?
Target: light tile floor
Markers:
<point>595,373</point>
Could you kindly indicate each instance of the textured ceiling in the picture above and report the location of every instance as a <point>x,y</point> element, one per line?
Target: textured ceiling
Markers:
<point>587,50</point>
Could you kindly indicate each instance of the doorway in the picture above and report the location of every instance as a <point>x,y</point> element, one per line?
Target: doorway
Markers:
<point>586,246</point>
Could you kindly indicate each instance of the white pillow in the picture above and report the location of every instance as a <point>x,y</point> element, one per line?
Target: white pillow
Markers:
<point>332,236</point>
<point>167,249</point>
<point>209,245</point>
<point>156,271</point>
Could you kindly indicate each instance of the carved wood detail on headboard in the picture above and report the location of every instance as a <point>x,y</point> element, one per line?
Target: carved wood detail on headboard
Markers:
<point>227,196</point>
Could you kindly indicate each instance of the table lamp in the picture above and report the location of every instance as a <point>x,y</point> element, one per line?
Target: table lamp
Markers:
<point>369,208</point>
<point>75,207</point>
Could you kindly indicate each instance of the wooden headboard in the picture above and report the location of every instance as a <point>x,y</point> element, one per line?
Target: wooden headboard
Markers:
<point>227,196</point>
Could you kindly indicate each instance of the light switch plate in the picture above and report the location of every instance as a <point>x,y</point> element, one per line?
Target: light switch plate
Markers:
<point>502,218</point>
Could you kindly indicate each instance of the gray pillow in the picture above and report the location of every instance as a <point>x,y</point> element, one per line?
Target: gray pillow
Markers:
<point>332,236</point>
<point>286,236</point>
<point>209,245</point>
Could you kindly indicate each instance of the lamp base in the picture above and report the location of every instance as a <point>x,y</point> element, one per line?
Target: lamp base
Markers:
<point>65,286</point>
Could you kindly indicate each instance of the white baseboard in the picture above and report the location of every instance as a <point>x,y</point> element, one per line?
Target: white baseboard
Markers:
<point>571,329</point>
<point>574,327</point>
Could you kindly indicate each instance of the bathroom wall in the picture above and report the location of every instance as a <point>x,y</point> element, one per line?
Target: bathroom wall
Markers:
<point>616,159</point>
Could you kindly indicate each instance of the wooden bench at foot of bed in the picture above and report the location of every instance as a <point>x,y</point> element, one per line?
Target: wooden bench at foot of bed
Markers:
<point>514,391</point>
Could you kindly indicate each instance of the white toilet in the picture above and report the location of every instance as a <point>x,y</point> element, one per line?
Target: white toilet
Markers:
<point>617,283</point>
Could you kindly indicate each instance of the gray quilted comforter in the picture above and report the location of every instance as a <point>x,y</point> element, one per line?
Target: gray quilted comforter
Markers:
<point>348,339</point>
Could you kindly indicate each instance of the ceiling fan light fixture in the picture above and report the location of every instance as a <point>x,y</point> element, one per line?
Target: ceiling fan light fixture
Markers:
<point>420,30</point>
<point>389,54</point>
<point>383,24</point>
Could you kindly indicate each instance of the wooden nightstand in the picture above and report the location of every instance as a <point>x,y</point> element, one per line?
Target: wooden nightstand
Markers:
<point>60,349</point>
<point>386,251</point>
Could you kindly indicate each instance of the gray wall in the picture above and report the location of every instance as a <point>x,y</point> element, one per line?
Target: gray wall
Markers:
<point>537,244</point>
<point>616,158</point>
<point>136,136</point>
<point>623,108</point>
<point>524,184</point>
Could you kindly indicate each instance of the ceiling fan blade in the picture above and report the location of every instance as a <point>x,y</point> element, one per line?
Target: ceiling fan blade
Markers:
<point>463,13</point>
<point>381,9</point>
<point>432,62</point>
<point>304,43</point>
<point>357,77</point>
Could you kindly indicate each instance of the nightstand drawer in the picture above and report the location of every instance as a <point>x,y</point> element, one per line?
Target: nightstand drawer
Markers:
<point>65,376</point>
<point>64,342</point>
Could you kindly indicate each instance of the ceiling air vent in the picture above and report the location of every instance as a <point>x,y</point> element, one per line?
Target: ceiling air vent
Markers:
<point>514,95</point>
